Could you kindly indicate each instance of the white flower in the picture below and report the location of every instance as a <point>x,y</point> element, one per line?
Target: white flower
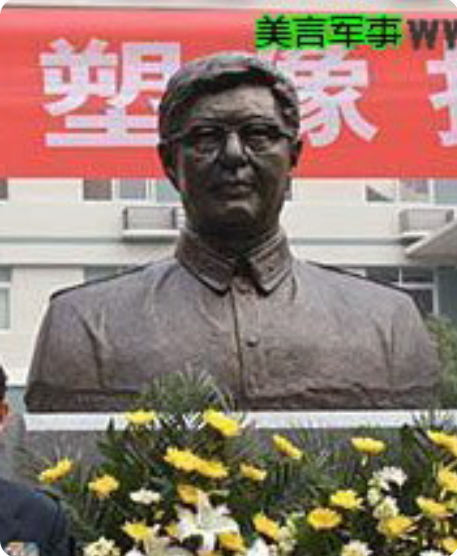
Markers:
<point>160,546</point>
<point>432,553</point>
<point>134,552</point>
<point>145,496</point>
<point>259,548</point>
<point>374,496</point>
<point>101,547</point>
<point>208,523</point>
<point>287,542</point>
<point>386,509</point>
<point>388,476</point>
<point>356,548</point>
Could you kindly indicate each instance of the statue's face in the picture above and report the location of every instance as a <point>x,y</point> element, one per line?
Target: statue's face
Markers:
<point>232,160</point>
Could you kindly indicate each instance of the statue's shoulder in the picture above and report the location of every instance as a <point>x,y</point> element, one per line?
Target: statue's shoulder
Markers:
<point>129,280</point>
<point>353,285</point>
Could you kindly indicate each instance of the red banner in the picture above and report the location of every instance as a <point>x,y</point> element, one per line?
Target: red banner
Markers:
<point>79,90</point>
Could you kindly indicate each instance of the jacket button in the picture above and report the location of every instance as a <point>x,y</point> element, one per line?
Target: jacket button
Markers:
<point>252,341</point>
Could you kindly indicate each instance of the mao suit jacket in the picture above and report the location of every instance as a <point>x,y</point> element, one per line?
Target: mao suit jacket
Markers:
<point>278,332</point>
<point>30,516</point>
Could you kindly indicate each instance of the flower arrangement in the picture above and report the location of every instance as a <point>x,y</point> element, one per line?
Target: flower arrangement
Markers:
<point>199,482</point>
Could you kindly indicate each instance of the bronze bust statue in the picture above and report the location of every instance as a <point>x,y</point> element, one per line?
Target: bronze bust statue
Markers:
<point>279,332</point>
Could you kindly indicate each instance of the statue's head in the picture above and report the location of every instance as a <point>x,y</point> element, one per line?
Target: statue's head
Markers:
<point>229,128</point>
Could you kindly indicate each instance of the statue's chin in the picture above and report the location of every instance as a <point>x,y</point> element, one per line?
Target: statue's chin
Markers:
<point>237,220</point>
<point>237,233</point>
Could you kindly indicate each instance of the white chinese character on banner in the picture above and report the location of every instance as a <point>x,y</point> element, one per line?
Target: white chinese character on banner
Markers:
<point>328,92</point>
<point>79,77</point>
<point>447,98</point>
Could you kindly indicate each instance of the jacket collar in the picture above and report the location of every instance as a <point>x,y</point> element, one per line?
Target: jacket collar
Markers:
<point>266,266</point>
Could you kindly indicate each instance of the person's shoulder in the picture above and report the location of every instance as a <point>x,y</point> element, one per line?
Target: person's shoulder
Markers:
<point>20,498</point>
<point>112,286</point>
<point>355,286</point>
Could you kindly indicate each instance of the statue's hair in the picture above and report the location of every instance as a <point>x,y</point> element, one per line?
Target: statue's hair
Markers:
<point>218,72</point>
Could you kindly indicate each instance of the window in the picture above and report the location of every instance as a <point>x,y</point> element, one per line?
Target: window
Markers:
<point>420,284</point>
<point>100,272</point>
<point>417,281</point>
<point>5,288</point>
<point>3,189</point>
<point>385,274</point>
<point>380,193</point>
<point>446,192</point>
<point>404,191</point>
<point>415,191</point>
<point>97,190</point>
<point>166,192</point>
<point>132,189</point>
<point>417,275</point>
<point>423,299</point>
<point>419,191</point>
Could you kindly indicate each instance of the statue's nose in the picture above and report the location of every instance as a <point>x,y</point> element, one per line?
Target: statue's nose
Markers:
<point>233,152</point>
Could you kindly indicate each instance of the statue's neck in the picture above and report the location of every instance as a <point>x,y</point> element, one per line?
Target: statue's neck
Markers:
<point>236,245</point>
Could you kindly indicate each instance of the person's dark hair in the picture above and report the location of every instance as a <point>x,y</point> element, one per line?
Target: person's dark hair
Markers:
<point>218,72</point>
<point>3,381</point>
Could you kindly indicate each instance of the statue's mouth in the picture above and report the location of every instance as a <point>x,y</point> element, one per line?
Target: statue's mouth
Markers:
<point>234,188</point>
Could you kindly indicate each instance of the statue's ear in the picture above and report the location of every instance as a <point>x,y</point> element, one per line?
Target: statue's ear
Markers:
<point>295,152</point>
<point>167,157</point>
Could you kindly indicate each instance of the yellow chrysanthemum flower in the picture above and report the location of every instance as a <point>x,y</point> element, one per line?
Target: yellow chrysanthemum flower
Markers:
<point>185,460</point>
<point>140,418</point>
<point>189,462</point>
<point>451,447</point>
<point>449,544</point>
<point>447,480</point>
<point>138,531</point>
<point>58,471</point>
<point>323,519</point>
<point>346,499</point>
<point>396,527</point>
<point>432,508</point>
<point>444,440</point>
<point>266,526</point>
<point>286,447</point>
<point>220,422</point>
<point>252,472</point>
<point>232,541</point>
<point>189,494</point>
<point>368,446</point>
<point>172,529</point>
<point>211,469</point>
<point>103,486</point>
